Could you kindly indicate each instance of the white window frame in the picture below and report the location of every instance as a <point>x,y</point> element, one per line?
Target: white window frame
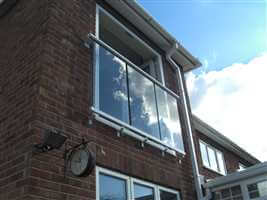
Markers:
<point>100,170</point>
<point>252,181</point>
<point>170,191</point>
<point>130,184</point>
<point>243,185</point>
<point>144,183</point>
<point>217,161</point>
<point>95,107</point>
<point>159,58</point>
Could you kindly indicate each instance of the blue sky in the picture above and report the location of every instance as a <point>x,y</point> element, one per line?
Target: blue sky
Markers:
<point>230,39</point>
<point>218,32</point>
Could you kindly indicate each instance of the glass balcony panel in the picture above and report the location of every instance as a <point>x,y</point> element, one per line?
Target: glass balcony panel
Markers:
<point>169,119</point>
<point>176,129</point>
<point>113,94</point>
<point>140,107</point>
<point>143,103</point>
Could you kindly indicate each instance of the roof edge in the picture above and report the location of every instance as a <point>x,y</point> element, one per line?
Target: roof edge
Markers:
<point>251,172</point>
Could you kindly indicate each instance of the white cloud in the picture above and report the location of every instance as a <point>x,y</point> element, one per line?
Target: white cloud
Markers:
<point>234,101</point>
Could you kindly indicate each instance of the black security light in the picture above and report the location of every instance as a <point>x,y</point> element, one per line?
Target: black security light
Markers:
<point>6,6</point>
<point>51,140</point>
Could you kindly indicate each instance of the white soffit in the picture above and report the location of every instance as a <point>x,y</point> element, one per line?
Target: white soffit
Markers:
<point>135,14</point>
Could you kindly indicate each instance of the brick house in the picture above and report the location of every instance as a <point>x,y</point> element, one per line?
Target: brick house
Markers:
<point>107,73</point>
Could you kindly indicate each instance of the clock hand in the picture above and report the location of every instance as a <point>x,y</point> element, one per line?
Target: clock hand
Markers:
<point>80,157</point>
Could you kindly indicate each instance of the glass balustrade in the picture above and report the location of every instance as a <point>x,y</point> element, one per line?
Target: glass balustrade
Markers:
<point>136,99</point>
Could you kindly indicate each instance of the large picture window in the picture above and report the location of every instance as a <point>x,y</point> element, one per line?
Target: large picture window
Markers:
<point>212,158</point>
<point>116,186</point>
<point>130,88</point>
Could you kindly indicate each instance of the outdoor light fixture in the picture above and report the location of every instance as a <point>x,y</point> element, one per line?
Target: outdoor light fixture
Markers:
<point>79,158</point>
<point>52,140</point>
<point>6,6</point>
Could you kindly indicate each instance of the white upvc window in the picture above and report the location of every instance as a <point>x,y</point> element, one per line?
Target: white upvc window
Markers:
<point>113,185</point>
<point>257,190</point>
<point>129,85</point>
<point>212,158</point>
<point>249,189</point>
<point>229,193</point>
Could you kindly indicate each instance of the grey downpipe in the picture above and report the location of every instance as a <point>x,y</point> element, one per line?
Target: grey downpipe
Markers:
<point>187,122</point>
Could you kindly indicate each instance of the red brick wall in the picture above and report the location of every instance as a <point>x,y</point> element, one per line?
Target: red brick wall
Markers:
<point>21,32</point>
<point>231,159</point>
<point>51,80</point>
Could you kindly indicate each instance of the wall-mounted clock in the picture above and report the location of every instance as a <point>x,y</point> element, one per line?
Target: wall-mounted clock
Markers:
<point>82,162</point>
<point>6,5</point>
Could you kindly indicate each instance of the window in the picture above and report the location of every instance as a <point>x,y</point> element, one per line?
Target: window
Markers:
<point>233,193</point>
<point>121,39</point>
<point>112,188</point>
<point>164,195</point>
<point>212,158</point>
<point>257,190</point>
<point>129,89</point>
<point>143,192</point>
<point>115,186</point>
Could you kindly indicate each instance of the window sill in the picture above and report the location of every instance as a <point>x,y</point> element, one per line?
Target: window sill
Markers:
<point>123,128</point>
<point>214,171</point>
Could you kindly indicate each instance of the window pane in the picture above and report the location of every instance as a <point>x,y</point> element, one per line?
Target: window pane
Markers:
<point>226,193</point>
<point>167,196</point>
<point>204,154</point>
<point>113,96</point>
<point>254,195</point>
<point>236,190</point>
<point>142,192</point>
<point>262,188</point>
<point>112,188</point>
<point>143,103</point>
<point>169,121</point>
<point>252,187</point>
<point>212,158</point>
<point>257,189</point>
<point>221,162</point>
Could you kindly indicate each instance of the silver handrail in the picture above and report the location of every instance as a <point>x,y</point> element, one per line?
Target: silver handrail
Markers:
<point>107,47</point>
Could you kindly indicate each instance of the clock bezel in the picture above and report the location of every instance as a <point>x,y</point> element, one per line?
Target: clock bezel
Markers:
<point>89,165</point>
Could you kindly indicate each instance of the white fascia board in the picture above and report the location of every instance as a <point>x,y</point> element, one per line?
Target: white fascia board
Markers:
<point>214,135</point>
<point>251,172</point>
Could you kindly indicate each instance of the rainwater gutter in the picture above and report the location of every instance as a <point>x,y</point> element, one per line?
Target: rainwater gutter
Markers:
<point>181,87</point>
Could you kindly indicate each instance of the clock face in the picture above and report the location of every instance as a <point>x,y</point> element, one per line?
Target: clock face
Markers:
<point>79,162</point>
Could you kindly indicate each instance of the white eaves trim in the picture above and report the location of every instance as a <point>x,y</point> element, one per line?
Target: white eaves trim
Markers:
<point>222,140</point>
<point>251,172</point>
